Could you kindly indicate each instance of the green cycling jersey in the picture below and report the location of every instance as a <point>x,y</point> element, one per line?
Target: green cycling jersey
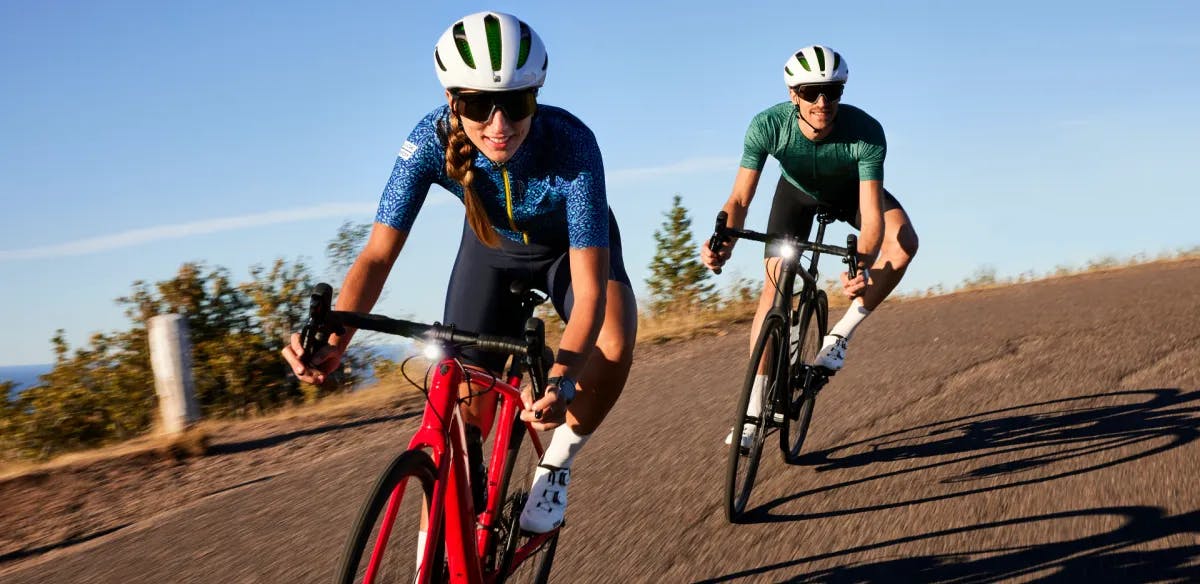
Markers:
<point>828,170</point>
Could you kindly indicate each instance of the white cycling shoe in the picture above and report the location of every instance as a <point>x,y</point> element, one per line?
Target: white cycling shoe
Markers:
<point>747,436</point>
<point>547,502</point>
<point>832,354</point>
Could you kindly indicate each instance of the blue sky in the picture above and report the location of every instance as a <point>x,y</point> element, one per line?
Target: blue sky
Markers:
<point>135,136</point>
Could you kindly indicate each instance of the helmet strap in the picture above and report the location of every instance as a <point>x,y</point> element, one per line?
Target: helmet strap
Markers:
<point>800,115</point>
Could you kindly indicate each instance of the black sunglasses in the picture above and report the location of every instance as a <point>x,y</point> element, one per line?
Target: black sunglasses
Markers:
<point>810,93</point>
<point>479,106</point>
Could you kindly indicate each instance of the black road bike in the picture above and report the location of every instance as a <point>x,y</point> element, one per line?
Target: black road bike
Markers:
<point>789,338</point>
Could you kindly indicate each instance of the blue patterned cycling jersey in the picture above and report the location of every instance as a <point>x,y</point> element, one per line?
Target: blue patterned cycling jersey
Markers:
<point>550,192</point>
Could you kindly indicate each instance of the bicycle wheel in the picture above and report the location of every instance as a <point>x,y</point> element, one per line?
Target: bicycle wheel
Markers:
<point>383,546</point>
<point>514,491</point>
<point>769,351</point>
<point>800,400</point>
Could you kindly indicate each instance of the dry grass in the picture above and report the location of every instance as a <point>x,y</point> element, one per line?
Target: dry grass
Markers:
<point>194,441</point>
<point>394,389</point>
<point>986,278</point>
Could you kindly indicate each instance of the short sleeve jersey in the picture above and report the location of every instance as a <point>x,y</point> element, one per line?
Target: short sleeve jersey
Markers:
<point>550,192</point>
<point>828,170</point>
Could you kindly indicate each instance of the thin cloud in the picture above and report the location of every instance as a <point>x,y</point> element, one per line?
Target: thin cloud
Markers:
<point>137,237</point>
<point>691,165</point>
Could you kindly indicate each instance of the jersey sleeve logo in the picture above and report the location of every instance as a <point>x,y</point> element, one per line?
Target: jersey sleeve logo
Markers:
<point>407,150</point>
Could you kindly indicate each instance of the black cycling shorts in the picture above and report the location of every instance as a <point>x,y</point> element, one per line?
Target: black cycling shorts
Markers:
<point>793,210</point>
<point>479,297</point>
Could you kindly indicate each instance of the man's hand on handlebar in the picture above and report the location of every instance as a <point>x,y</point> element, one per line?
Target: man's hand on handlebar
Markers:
<point>715,260</point>
<point>854,287</point>
<point>324,360</point>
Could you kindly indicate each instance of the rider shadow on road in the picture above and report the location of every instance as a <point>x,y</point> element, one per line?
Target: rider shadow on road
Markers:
<point>1120,555</point>
<point>269,441</point>
<point>1012,447</point>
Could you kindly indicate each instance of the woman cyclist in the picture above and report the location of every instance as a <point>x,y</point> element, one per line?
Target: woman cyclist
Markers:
<point>532,181</point>
<point>830,155</point>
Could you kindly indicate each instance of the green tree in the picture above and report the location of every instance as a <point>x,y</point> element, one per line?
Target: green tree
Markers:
<point>104,391</point>
<point>343,249</point>
<point>678,281</point>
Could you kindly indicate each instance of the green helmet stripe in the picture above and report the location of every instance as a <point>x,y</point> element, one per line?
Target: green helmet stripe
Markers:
<point>526,42</point>
<point>464,48</point>
<point>803,62</point>
<point>491,25</point>
<point>820,57</point>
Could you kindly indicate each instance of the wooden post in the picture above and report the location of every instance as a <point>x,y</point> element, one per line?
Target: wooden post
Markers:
<point>171,359</point>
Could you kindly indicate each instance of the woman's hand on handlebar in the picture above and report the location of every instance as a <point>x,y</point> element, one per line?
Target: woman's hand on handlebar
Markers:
<point>552,407</point>
<point>325,360</point>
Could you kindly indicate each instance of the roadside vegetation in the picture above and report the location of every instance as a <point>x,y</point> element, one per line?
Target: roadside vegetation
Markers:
<point>102,394</point>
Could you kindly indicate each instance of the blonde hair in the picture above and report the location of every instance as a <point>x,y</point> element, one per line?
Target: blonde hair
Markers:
<point>460,166</point>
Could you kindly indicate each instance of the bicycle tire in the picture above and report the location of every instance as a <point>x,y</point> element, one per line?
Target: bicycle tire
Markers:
<point>535,568</point>
<point>800,400</point>
<point>394,565</point>
<point>738,485</point>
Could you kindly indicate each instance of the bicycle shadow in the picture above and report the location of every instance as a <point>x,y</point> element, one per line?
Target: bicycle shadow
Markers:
<point>1119,555</point>
<point>1032,445</point>
<point>277,439</point>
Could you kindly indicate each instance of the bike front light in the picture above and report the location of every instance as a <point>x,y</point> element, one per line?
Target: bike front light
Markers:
<point>433,352</point>
<point>787,251</point>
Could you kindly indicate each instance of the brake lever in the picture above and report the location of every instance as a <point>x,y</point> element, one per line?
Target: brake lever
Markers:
<point>718,237</point>
<point>320,324</point>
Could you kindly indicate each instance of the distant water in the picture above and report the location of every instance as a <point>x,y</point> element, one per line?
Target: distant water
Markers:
<point>24,375</point>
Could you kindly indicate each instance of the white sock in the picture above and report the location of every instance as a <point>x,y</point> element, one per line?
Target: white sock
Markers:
<point>850,321</point>
<point>564,446</point>
<point>754,408</point>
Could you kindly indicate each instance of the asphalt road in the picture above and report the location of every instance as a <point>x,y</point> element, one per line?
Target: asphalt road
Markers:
<point>1031,433</point>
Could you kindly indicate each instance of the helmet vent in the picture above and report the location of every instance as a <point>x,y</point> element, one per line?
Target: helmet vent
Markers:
<point>546,62</point>
<point>464,48</point>
<point>837,59</point>
<point>491,25</point>
<point>438,58</point>
<point>803,62</point>
<point>820,58</point>
<point>526,41</point>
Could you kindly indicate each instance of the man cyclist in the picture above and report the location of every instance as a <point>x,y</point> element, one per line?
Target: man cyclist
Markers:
<point>532,180</point>
<point>830,154</point>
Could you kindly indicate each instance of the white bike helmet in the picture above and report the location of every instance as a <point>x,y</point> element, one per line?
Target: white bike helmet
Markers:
<point>815,64</point>
<point>490,51</point>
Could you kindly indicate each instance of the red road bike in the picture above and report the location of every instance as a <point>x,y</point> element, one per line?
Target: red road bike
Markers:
<point>471,531</point>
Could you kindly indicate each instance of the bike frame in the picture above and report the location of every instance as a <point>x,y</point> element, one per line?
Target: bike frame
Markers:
<point>452,508</point>
<point>784,290</point>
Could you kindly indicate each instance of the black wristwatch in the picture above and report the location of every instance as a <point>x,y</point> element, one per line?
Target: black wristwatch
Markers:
<point>566,387</point>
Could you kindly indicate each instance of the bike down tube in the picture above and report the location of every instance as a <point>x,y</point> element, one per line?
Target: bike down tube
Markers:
<point>462,556</point>
<point>442,433</point>
<point>443,394</point>
<point>508,411</point>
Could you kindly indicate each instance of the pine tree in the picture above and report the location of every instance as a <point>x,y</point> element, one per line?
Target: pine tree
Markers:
<point>678,281</point>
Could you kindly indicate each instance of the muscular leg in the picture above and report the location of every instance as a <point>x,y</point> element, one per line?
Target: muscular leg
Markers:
<point>766,299</point>
<point>608,366</point>
<point>898,249</point>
